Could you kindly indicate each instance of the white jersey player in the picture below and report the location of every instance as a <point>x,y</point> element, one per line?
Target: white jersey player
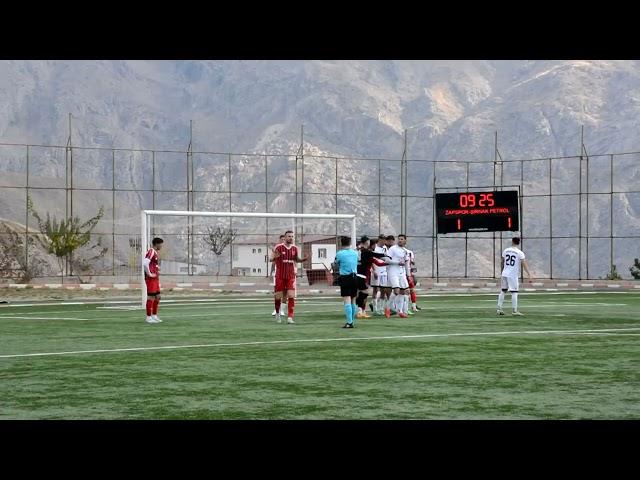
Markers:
<point>397,277</point>
<point>379,281</point>
<point>512,258</point>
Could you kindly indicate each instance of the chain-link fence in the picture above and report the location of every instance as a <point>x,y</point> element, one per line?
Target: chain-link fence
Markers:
<point>580,215</point>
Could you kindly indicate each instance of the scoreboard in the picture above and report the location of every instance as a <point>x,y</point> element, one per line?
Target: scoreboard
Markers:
<point>477,211</point>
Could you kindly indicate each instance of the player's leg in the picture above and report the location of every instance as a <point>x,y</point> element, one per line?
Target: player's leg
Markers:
<point>277,297</point>
<point>405,295</point>
<point>291,304</point>
<point>274,289</point>
<point>503,289</point>
<point>347,311</point>
<point>402,298</point>
<point>354,295</point>
<point>354,307</point>
<point>387,300</point>
<point>156,305</point>
<point>382,293</point>
<point>373,301</point>
<point>513,290</point>
<point>361,298</point>
<point>152,290</point>
<point>151,298</point>
<point>291,296</point>
<point>346,290</point>
<point>412,293</point>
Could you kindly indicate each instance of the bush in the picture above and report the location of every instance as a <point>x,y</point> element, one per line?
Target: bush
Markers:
<point>18,260</point>
<point>635,269</point>
<point>613,275</point>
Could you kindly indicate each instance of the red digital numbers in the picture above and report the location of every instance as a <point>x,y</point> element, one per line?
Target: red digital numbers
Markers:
<point>469,200</point>
<point>486,200</point>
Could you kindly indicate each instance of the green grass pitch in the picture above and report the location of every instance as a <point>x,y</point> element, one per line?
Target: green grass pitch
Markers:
<point>572,356</point>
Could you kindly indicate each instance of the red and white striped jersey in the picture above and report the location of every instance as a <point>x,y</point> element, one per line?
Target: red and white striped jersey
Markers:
<point>152,255</point>
<point>286,262</point>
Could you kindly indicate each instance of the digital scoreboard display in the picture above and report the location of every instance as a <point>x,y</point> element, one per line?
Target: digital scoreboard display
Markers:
<point>477,211</point>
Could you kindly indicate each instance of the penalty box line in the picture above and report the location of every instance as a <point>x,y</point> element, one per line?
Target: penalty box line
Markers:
<point>326,340</point>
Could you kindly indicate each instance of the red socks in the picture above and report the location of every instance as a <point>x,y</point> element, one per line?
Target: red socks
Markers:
<point>278,304</point>
<point>155,306</point>
<point>149,307</point>
<point>413,297</point>
<point>292,303</point>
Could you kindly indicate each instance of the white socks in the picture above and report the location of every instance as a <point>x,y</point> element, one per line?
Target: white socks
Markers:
<point>514,300</point>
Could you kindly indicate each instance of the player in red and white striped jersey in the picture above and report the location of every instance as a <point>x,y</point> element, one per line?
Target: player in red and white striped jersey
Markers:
<point>151,263</point>
<point>285,256</point>
<point>273,274</point>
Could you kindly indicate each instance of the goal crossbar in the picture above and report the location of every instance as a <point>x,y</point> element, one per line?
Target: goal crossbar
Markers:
<point>145,226</point>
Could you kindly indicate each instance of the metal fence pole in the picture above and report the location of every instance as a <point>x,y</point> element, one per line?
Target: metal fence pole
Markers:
<point>434,226</point>
<point>580,219</point>
<point>113,212</point>
<point>611,211</point>
<point>550,220</point>
<point>230,219</point>
<point>26,220</point>
<point>466,234</point>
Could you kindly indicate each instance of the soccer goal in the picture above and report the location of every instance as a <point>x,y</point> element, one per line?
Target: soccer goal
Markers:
<point>238,243</point>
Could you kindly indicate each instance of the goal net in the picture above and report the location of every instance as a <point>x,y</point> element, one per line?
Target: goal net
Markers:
<point>238,244</point>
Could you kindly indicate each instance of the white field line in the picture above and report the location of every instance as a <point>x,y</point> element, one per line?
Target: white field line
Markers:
<point>336,305</point>
<point>46,318</point>
<point>172,307</point>
<point>326,298</point>
<point>326,340</point>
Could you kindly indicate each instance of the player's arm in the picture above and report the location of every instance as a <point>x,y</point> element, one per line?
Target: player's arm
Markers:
<point>394,261</point>
<point>276,253</point>
<point>525,267</point>
<point>146,262</point>
<point>300,260</point>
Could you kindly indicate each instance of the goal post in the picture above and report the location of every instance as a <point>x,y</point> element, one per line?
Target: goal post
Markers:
<point>147,215</point>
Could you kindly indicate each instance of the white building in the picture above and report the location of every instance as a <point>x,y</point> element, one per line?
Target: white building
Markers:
<point>322,254</point>
<point>171,267</point>
<point>251,260</point>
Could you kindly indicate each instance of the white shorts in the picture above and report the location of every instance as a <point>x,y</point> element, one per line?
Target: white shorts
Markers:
<point>381,281</point>
<point>398,281</point>
<point>509,283</point>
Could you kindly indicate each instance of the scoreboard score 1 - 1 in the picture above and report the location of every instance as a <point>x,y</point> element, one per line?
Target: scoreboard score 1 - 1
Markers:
<point>477,211</point>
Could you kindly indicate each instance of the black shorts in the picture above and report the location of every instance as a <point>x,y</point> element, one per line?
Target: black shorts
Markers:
<point>362,283</point>
<point>348,285</point>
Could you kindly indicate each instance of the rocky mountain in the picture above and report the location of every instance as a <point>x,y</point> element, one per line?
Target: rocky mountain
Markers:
<point>450,110</point>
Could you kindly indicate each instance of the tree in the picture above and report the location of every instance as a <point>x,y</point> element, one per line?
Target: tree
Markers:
<point>217,240</point>
<point>18,256</point>
<point>635,269</point>
<point>64,237</point>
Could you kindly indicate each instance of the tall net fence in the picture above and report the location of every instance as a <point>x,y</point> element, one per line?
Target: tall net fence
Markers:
<point>580,215</point>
